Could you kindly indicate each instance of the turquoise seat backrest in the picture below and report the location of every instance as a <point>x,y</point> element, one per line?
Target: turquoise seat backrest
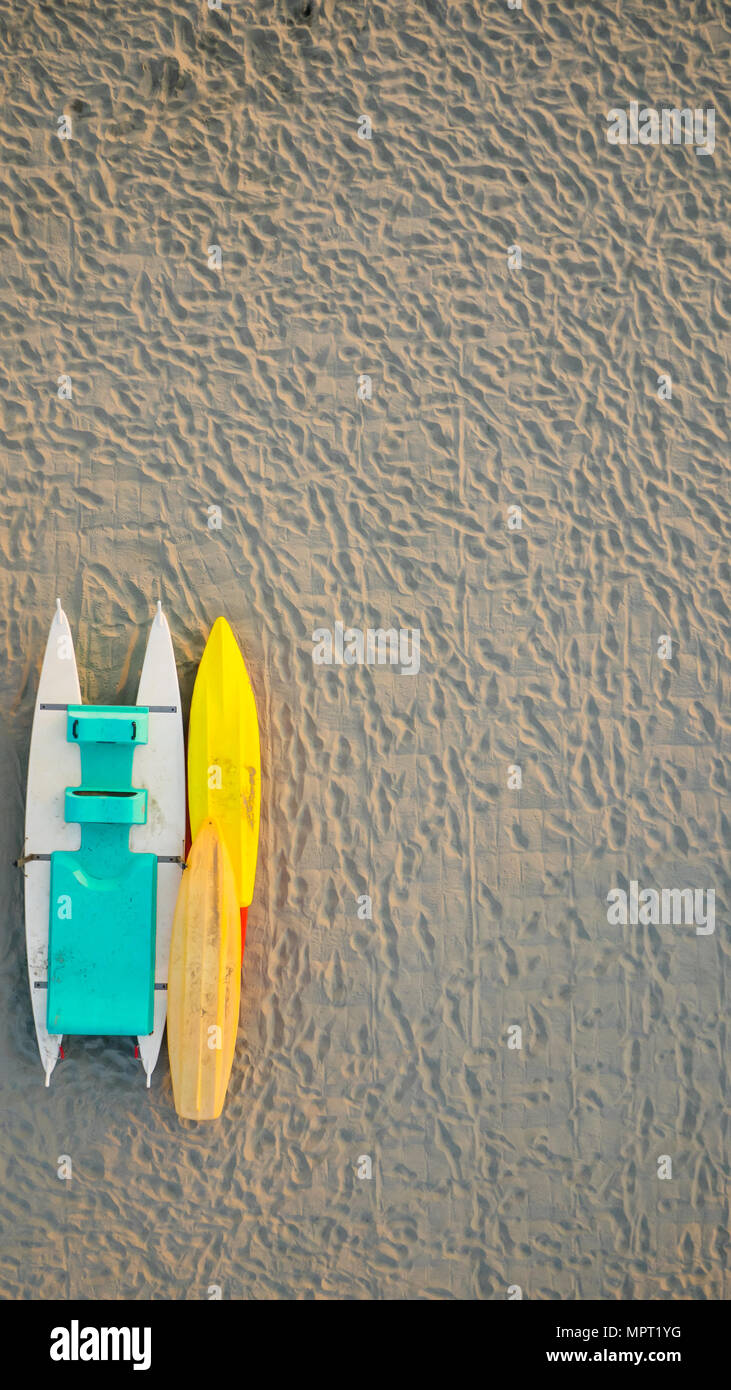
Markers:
<point>103,897</point>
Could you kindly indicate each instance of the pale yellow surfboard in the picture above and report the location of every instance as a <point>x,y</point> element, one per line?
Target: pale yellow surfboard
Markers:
<point>204,981</point>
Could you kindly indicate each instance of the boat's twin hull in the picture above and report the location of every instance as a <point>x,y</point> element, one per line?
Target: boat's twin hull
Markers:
<point>54,765</point>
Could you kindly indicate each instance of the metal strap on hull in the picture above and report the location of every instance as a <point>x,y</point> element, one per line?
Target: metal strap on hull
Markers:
<point>43,984</point>
<point>151,709</point>
<point>161,859</point>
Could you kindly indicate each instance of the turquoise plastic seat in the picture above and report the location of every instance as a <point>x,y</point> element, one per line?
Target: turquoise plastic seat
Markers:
<point>101,975</point>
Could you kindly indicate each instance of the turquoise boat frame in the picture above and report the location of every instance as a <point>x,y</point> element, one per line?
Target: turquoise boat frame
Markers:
<point>102,917</point>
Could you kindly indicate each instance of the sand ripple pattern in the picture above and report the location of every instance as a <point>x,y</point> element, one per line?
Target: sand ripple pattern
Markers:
<point>195,387</point>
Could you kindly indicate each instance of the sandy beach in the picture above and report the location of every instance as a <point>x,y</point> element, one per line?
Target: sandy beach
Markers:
<point>298,301</point>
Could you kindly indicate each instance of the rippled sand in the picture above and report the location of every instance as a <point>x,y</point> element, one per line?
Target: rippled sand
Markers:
<point>195,388</point>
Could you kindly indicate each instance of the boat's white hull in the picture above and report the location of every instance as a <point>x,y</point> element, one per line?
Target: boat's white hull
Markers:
<point>53,765</point>
<point>159,765</point>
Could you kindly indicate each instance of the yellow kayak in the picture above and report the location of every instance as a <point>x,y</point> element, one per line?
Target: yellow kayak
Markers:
<point>224,765</point>
<point>204,979</point>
